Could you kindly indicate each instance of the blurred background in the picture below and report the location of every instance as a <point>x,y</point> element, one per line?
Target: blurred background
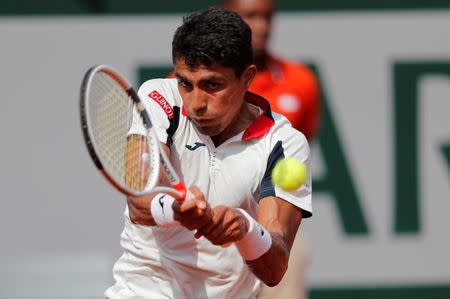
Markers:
<point>381,162</point>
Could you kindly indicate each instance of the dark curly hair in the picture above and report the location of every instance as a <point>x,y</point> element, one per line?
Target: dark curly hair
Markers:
<point>214,36</point>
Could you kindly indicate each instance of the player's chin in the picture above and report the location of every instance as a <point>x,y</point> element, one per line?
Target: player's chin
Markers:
<point>209,130</point>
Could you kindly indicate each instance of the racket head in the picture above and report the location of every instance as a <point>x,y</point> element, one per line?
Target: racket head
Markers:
<point>108,107</point>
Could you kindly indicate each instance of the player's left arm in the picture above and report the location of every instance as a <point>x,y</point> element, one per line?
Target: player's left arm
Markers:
<point>280,212</point>
<point>282,220</point>
<point>265,242</point>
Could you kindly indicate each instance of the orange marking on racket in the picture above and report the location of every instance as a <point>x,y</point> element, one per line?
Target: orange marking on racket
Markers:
<point>182,189</point>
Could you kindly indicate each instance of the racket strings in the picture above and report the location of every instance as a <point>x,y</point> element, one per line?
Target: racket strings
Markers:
<point>127,159</point>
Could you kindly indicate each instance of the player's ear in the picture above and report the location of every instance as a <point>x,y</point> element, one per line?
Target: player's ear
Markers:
<point>248,75</point>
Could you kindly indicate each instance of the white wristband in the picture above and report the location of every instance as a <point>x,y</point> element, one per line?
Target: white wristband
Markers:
<point>256,242</point>
<point>161,210</point>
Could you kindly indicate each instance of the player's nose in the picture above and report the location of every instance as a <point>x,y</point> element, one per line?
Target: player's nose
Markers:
<point>199,102</point>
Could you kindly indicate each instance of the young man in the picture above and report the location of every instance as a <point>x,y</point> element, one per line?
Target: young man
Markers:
<point>223,141</point>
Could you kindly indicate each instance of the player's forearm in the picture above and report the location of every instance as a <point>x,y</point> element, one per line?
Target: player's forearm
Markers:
<point>265,249</point>
<point>271,266</point>
<point>139,212</point>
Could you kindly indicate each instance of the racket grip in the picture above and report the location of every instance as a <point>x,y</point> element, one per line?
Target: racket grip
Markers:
<point>181,188</point>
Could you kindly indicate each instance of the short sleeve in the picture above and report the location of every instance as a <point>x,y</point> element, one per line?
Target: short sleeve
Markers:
<point>286,142</point>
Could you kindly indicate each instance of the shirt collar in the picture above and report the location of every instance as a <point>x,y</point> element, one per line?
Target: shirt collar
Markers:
<point>264,122</point>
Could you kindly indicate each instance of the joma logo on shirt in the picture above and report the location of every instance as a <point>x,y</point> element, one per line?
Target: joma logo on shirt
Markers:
<point>158,98</point>
<point>195,146</point>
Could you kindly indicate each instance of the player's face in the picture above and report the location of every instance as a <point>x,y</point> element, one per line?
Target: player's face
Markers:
<point>212,96</point>
<point>258,15</point>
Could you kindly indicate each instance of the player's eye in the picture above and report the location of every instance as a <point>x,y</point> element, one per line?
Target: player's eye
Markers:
<point>184,83</point>
<point>213,85</point>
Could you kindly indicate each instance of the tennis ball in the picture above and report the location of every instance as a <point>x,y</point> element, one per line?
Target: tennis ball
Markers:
<point>289,174</point>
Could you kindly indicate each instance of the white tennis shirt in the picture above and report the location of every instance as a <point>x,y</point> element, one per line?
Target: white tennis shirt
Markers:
<point>169,262</point>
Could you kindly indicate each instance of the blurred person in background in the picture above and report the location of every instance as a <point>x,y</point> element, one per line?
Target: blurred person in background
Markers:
<point>292,89</point>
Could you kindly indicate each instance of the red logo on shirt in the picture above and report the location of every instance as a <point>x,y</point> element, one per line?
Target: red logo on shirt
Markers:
<point>158,98</point>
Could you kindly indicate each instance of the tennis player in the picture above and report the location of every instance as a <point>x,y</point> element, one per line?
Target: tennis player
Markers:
<point>236,229</point>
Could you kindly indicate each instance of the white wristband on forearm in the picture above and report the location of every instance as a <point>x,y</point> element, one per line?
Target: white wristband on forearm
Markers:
<point>161,210</point>
<point>256,242</point>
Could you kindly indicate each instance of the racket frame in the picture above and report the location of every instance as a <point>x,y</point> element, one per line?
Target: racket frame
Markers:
<point>178,189</point>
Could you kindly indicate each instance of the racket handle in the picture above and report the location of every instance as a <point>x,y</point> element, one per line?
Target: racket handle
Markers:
<point>181,188</point>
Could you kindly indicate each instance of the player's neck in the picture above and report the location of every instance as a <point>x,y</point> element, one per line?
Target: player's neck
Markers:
<point>246,116</point>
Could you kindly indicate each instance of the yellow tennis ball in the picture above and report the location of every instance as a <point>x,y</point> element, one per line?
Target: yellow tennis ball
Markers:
<point>289,174</point>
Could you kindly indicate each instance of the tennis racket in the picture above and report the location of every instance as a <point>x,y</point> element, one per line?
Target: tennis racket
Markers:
<point>135,164</point>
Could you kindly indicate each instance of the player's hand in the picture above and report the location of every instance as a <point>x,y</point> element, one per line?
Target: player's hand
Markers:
<point>227,225</point>
<point>194,212</point>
